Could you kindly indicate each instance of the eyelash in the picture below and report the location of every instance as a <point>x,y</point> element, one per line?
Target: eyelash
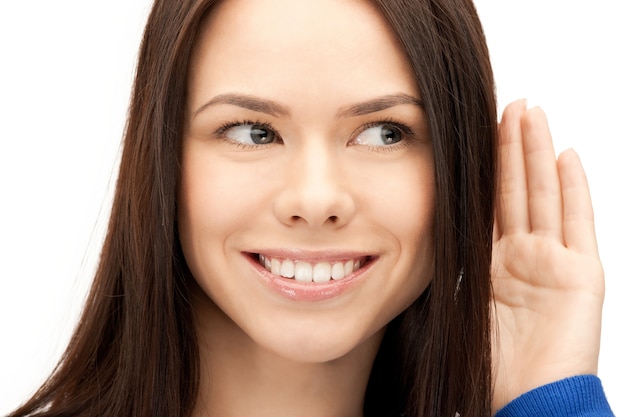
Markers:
<point>228,125</point>
<point>407,133</point>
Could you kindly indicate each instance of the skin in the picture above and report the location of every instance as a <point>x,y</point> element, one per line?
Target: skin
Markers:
<point>547,277</point>
<point>311,192</point>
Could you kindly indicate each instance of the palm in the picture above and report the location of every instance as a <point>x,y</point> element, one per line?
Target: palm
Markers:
<point>547,277</point>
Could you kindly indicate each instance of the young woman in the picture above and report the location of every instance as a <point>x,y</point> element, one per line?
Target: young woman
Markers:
<point>304,225</point>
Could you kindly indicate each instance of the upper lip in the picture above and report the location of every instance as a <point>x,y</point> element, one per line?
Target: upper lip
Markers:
<point>332,255</point>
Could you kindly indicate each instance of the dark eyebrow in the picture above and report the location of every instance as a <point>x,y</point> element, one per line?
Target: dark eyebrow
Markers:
<point>378,104</point>
<point>247,102</point>
<point>276,109</point>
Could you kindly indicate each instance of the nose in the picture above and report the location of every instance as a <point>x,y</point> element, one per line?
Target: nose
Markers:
<point>316,192</point>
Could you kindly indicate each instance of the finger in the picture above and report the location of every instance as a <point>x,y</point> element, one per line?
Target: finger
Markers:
<point>578,224</point>
<point>545,205</point>
<point>512,202</point>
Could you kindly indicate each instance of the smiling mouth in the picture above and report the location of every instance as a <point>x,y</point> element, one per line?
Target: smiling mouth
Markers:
<point>309,272</point>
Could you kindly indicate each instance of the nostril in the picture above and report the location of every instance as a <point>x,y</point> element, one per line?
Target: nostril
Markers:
<point>333,219</point>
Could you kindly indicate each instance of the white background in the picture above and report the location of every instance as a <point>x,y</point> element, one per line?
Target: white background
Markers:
<point>65,74</point>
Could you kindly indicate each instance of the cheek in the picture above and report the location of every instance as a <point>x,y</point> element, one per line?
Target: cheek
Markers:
<point>411,218</point>
<point>215,198</point>
<point>412,221</point>
<point>403,208</point>
<point>404,202</point>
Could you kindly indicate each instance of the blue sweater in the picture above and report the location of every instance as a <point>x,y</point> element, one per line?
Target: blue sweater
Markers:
<point>579,396</point>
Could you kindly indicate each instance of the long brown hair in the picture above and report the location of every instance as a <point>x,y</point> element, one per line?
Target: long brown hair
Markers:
<point>134,351</point>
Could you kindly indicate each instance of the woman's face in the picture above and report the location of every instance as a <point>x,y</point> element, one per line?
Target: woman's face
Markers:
<point>307,193</point>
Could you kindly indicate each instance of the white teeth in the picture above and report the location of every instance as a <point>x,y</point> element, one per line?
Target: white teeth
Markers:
<point>287,269</point>
<point>321,272</point>
<point>275,267</point>
<point>349,267</point>
<point>306,272</point>
<point>337,271</point>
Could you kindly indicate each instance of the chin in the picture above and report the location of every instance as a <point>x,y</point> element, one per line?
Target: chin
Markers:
<point>317,343</point>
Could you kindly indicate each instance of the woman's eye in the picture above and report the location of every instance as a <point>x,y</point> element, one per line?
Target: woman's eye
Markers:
<point>379,135</point>
<point>251,134</point>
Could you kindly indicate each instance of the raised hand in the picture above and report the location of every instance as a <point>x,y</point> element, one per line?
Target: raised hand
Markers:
<point>547,277</point>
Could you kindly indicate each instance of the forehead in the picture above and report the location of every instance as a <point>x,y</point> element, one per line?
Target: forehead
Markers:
<point>282,47</point>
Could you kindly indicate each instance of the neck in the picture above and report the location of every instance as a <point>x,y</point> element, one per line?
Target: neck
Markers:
<point>241,378</point>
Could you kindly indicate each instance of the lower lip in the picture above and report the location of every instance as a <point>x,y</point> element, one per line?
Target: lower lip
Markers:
<point>298,291</point>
